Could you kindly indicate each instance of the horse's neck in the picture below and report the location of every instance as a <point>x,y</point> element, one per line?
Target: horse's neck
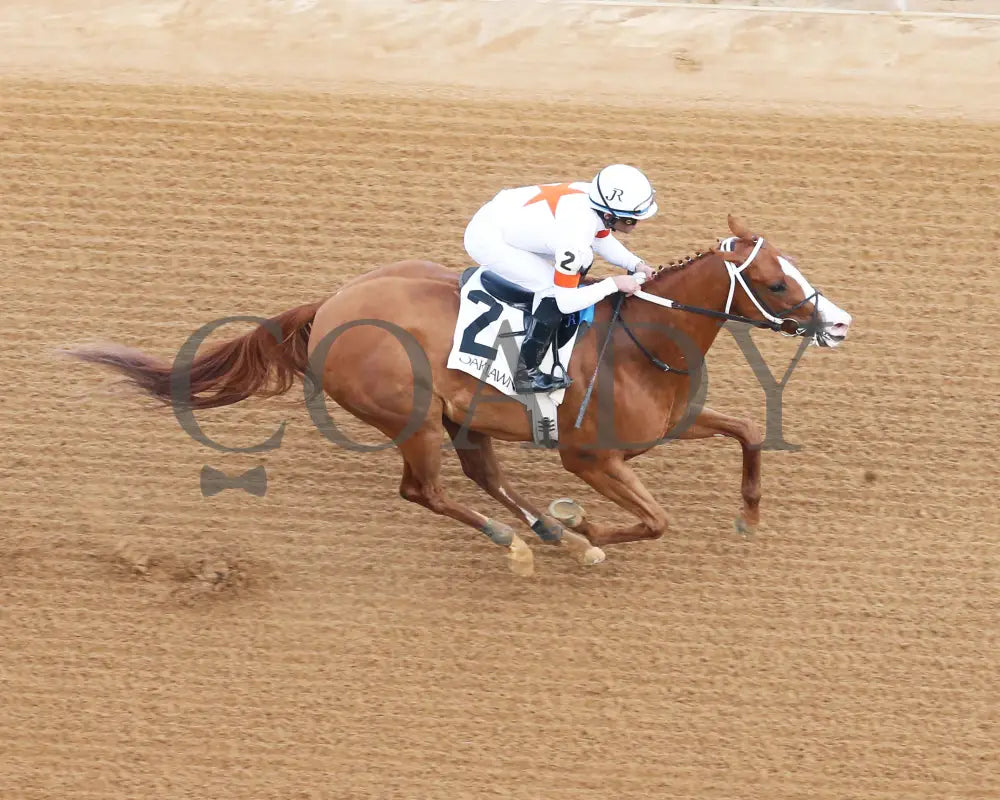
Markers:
<point>703,283</point>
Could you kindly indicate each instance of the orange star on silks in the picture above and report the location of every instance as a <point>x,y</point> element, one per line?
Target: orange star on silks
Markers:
<point>552,193</point>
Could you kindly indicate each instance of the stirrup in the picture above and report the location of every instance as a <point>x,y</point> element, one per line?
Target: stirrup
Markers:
<point>534,381</point>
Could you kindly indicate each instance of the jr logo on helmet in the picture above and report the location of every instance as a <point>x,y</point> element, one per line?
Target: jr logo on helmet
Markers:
<point>616,194</point>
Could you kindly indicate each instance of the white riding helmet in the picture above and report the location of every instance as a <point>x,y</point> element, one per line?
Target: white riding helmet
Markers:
<point>623,191</point>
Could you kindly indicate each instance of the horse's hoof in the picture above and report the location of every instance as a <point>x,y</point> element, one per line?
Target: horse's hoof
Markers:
<point>519,558</point>
<point>744,528</point>
<point>566,511</point>
<point>582,550</point>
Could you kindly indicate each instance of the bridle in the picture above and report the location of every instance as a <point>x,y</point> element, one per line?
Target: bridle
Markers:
<point>775,321</point>
<point>772,320</point>
<point>779,318</point>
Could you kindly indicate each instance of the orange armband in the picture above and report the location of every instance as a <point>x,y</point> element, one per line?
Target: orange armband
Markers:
<point>566,280</point>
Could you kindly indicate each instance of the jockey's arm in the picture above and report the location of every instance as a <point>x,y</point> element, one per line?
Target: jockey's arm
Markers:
<point>571,258</point>
<point>570,300</point>
<point>575,246</point>
<point>614,252</point>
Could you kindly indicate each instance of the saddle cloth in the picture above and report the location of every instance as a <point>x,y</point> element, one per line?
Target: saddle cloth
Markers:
<point>493,315</point>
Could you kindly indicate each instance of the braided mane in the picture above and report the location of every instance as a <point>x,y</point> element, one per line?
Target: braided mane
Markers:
<point>680,264</point>
<point>672,268</point>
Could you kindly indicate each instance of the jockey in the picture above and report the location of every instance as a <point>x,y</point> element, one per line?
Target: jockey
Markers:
<point>544,238</point>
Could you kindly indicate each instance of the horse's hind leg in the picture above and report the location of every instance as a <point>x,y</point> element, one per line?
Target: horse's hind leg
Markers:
<point>479,462</point>
<point>421,483</point>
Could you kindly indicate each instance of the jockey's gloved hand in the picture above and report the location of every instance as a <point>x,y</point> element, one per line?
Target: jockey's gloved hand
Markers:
<point>643,268</point>
<point>627,284</point>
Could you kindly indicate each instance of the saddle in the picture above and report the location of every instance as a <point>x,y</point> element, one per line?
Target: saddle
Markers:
<point>522,299</point>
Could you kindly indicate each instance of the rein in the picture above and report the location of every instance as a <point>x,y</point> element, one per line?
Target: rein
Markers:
<point>775,322</point>
<point>771,321</point>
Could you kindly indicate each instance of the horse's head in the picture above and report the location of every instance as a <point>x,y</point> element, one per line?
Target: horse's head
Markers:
<point>768,286</point>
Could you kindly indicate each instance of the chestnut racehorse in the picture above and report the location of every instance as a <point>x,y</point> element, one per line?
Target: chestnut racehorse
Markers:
<point>648,346</point>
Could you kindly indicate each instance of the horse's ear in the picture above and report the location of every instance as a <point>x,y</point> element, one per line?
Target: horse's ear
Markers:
<point>739,229</point>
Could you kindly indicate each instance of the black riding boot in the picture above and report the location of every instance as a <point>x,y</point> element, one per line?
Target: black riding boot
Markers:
<point>529,378</point>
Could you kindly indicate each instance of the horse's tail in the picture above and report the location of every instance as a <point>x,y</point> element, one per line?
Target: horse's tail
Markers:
<point>260,363</point>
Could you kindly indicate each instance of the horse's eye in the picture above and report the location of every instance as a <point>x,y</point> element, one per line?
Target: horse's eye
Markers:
<point>778,288</point>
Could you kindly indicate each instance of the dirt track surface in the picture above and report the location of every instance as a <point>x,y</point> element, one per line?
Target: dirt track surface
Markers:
<point>330,640</point>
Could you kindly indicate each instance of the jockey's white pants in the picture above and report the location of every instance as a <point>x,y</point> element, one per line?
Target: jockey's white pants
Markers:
<point>484,241</point>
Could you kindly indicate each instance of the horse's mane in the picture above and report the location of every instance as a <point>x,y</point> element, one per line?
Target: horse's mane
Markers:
<point>668,269</point>
<point>681,264</point>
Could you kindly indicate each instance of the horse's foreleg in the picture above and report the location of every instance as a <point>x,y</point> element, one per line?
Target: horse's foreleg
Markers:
<point>480,464</point>
<point>712,423</point>
<point>608,474</point>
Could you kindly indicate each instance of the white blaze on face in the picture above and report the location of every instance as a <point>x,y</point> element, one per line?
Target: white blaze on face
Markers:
<point>835,321</point>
